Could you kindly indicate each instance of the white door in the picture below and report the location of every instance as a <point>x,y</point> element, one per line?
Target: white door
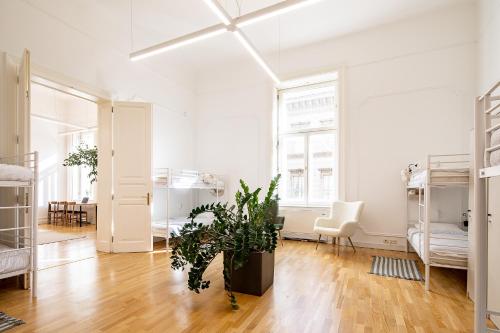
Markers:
<point>132,181</point>
<point>24,125</point>
<point>24,105</point>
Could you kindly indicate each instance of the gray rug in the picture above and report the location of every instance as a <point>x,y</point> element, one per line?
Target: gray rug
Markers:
<point>48,236</point>
<point>396,267</point>
<point>7,322</point>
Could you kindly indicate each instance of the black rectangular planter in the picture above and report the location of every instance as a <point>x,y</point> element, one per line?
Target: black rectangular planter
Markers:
<point>256,276</point>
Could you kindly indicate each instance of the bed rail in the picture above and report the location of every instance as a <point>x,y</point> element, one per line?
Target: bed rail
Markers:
<point>440,170</point>
<point>21,236</point>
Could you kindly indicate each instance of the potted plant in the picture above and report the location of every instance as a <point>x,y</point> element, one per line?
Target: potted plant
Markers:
<point>84,156</point>
<point>246,235</point>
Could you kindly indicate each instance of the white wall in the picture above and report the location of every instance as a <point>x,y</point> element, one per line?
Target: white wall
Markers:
<point>409,89</point>
<point>52,175</point>
<point>62,48</point>
<point>58,48</point>
<point>489,73</point>
<point>64,51</point>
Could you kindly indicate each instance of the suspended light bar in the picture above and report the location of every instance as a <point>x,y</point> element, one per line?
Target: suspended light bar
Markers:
<point>219,11</point>
<point>255,54</point>
<point>178,42</point>
<point>271,11</point>
<point>228,24</point>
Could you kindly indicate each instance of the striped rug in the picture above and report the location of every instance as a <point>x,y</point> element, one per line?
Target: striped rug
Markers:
<point>395,267</point>
<point>7,322</point>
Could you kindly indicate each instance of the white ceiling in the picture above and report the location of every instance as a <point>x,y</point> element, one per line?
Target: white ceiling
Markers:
<point>154,21</point>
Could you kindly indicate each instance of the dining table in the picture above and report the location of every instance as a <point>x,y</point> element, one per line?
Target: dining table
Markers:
<point>87,204</point>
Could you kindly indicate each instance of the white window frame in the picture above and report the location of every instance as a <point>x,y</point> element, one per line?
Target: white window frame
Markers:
<point>337,129</point>
<point>76,172</point>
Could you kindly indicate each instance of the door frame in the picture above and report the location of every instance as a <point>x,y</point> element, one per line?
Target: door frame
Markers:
<point>57,81</point>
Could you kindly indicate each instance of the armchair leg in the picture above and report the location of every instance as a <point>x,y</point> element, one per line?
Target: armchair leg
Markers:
<point>319,238</point>
<point>350,241</point>
<point>338,246</point>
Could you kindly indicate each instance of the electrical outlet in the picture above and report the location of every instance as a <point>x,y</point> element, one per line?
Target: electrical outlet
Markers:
<point>390,242</point>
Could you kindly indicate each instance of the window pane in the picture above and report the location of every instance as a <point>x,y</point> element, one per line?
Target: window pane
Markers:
<point>292,168</point>
<point>305,109</point>
<point>322,165</point>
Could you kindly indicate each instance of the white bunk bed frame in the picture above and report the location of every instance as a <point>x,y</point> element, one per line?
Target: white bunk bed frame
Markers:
<point>434,163</point>
<point>172,179</point>
<point>487,108</point>
<point>21,241</point>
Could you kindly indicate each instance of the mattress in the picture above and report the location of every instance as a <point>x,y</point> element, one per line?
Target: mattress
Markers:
<point>159,227</point>
<point>419,177</point>
<point>450,248</point>
<point>11,172</point>
<point>12,261</point>
<point>495,155</point>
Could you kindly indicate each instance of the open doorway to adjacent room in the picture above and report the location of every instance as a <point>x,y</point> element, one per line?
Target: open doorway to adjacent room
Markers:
<point>64,132</point>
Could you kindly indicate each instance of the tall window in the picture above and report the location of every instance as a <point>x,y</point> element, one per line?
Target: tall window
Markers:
<point>308,153</point>
<point>78,176</point>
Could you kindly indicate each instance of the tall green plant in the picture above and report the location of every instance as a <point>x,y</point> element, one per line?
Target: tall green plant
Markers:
<point>84,156</point>
<point>236,230</point>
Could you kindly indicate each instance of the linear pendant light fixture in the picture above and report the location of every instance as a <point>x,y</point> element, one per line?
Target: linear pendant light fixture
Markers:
<point>255,54</point>
<point>231,25</point>
<point>272,11</point>
<point>179,42</point>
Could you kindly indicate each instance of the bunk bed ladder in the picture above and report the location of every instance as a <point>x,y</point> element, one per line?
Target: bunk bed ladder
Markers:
<point>482,150</point>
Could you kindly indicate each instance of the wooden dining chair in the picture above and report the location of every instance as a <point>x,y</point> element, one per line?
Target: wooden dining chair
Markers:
<point>61,210</point>
<point>71,212</point>
<point>51,212</point>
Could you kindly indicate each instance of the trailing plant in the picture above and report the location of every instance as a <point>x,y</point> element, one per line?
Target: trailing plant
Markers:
<point>236,230</point>
<point>84,156</point>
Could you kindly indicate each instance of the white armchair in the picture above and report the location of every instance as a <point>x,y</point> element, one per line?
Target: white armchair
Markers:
<point>342,222</point>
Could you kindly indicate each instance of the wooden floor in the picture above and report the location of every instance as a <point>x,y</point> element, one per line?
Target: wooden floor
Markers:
<point>314,291</point>
<point>62,253</point>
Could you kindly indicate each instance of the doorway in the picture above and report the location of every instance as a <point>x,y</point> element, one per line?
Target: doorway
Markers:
<point>64,131</point>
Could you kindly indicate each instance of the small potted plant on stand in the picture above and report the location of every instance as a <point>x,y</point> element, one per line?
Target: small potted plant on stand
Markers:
<point>246,235</point>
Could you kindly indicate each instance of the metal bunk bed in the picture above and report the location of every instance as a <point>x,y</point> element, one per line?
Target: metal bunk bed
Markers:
<point>438,244</point>
<point>486,167</point>
<point>18,242</point>
<point>172,179</point>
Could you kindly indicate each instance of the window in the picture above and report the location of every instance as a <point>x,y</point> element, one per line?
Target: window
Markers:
<point>307,150</point>
<point>78,176</point>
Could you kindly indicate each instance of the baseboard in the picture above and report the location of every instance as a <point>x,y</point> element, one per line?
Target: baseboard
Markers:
<point>400,248</point>
<point>42,220</point>
<point>369,245</point>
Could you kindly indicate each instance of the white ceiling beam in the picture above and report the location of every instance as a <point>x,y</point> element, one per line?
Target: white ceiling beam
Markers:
<point>58,122</point>
<point>91,129</point>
